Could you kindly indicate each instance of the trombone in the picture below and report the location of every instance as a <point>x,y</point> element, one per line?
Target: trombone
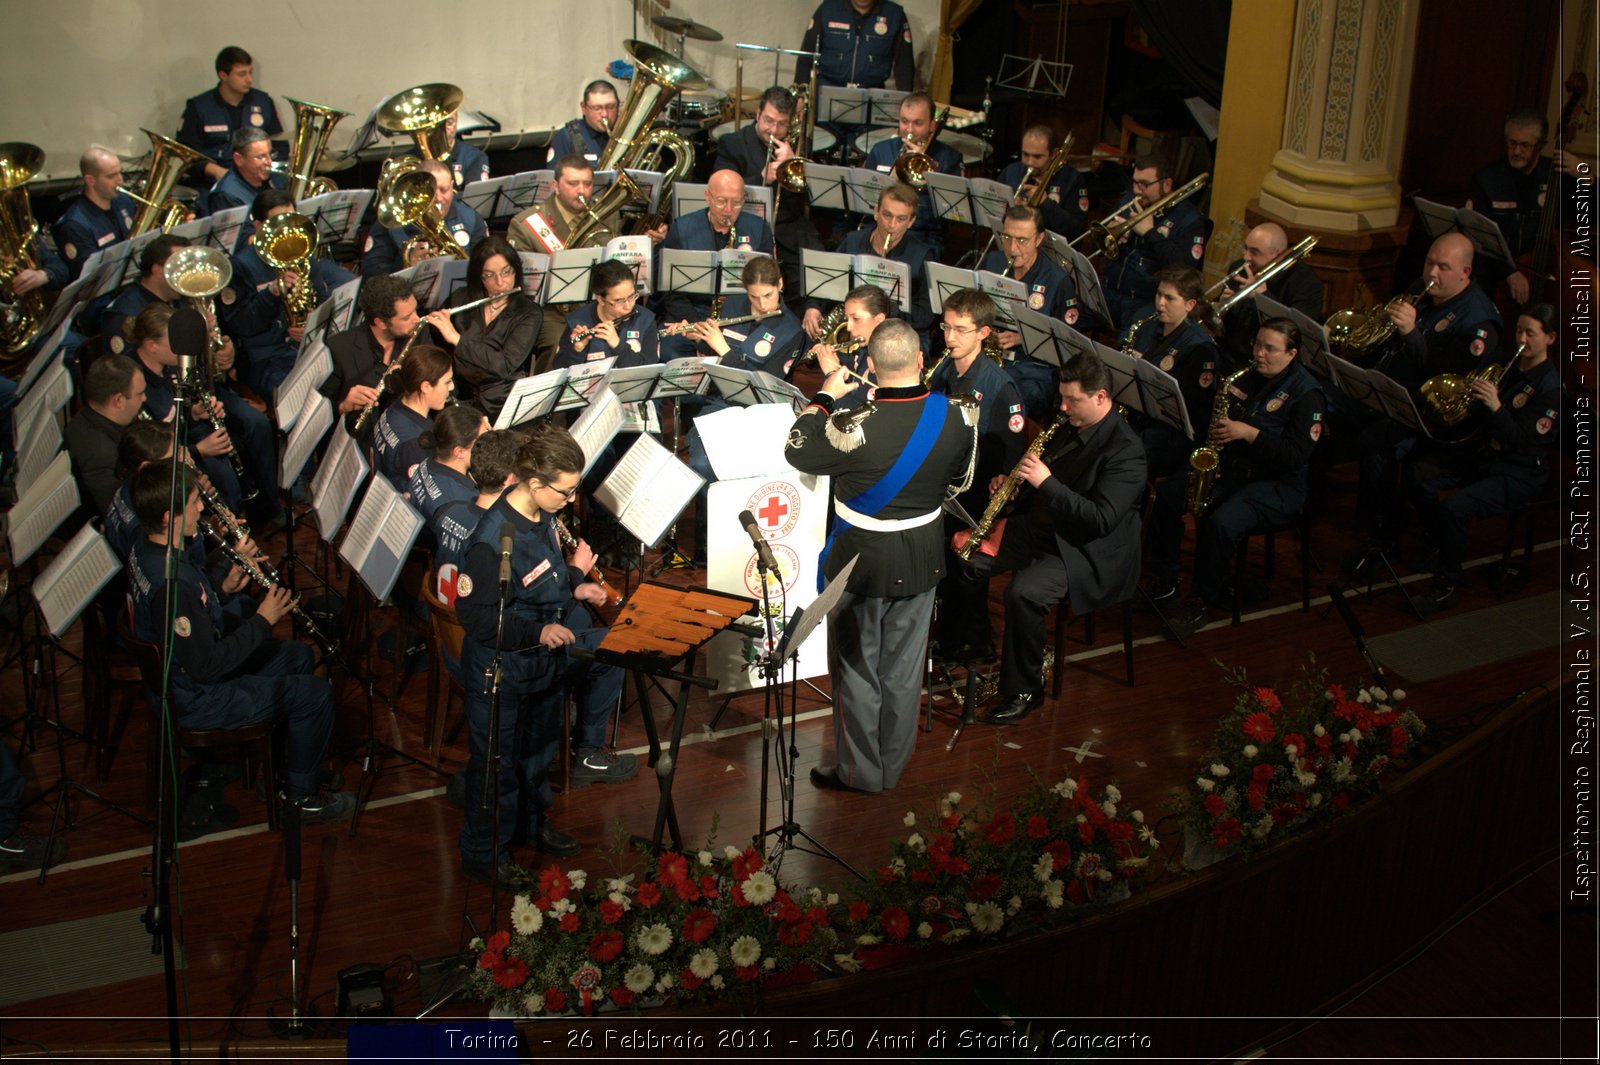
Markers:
<point>1110,234</point>
<point>1277,266</point>
<point>914,166</point>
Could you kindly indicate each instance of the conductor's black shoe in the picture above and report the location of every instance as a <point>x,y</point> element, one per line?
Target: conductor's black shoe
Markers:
<point>826,777</point>
<point>551,840</point>
<point>1015,708</point>
<point>25,849</point>
<point>967,653</point>
<point>1439,596</point>
<point>1188,619</point>
<point>603,767</point>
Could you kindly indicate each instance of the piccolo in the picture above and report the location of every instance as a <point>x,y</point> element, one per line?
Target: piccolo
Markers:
<point>678,329</point>
<point>264,575</point>
<point>570,543</point>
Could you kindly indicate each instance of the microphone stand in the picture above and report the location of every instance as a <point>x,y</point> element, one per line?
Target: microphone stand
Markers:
<point>292,1027</point>
<point>1348,616</point>
<point>490,793</point>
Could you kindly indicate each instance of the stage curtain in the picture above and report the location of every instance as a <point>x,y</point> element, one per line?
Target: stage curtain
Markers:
<point>1193,39</point>
<point>952,15</point>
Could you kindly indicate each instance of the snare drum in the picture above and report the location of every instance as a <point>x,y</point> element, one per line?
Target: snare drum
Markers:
<point>821,140</point>
<point>974,150</point>
<point>700,108</point>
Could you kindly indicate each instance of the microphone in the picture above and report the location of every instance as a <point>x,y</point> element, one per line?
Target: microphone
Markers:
<point>505,557</point>
<point>190,340</point>
<point>764,556</point>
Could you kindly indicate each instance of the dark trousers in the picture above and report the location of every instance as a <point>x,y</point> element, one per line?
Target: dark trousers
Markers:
<point>1381,447</point>
<point>1038,583</point>
<point>1480,492</point>
<point>1167,452</point>
<point>1237,512</point>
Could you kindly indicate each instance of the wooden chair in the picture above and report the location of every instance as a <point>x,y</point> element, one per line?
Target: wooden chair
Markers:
<point>447,637</point>
<point>110,670</point>
<point>1300,524</point>
<point>1064,617</point>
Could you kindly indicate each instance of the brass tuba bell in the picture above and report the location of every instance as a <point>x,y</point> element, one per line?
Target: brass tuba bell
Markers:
<point>168,161</point>
<point>422,111</point>
<point>405,198</point>
<point>287,242</point>
<point>23,316</point>
<point>312,125</point>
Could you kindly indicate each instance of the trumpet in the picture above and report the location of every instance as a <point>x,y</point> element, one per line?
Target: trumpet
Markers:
<point>1110,234</point>
<point>1358,332</point>
<point>570,543</point>
<point>678,329</point>
<point>262,573</point>
<point>914,165</point>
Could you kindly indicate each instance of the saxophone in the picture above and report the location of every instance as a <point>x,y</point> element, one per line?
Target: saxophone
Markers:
<point>1205,460</point>
<point>1133,331</point>
<point>1007,489</point>
<point>927,376</point>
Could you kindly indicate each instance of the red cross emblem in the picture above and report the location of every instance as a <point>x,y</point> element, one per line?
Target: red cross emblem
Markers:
<point>773,511</point>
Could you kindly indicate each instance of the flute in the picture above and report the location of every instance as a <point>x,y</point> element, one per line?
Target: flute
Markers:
<point>677,329</point>
<point>570,543</point>
<point>581,333</point>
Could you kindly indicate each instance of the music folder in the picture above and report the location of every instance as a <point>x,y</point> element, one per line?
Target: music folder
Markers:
<point>647,489</point>
<point>828,186</point>
<point>380,537</point>
<point>597,426</point>
<point>74,577</point>
<point>1314,344</point>
<point>1439,219</point>
<point>337,214</point>
<point>692,273</point>
<point>311,424</point>
<point>311,367</point>
<point>530,398</point>
<point>334,485</point>
<point>826,275</point>
<point>951,195</point>
<point>989,202</point>
<point>568,279</point>
<point>843,106</point>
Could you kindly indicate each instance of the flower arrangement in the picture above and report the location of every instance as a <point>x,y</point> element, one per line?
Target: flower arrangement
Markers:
<point>1278,764</point>
<point>1033,862</point>
<point>696,926</point>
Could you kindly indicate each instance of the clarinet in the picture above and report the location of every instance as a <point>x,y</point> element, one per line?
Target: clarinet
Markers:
<point>232,528</point>
<point>365,417</point>
<point>570,543</point>
<point>208,400</point>
<point>265,576</point>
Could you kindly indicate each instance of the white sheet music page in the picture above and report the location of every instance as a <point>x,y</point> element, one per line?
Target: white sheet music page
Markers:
<point>597,425</point>
<point>74,578</point>
<point>648,489</point>
<point>43,507</point>
<point>313,421</point>
<point>312,366</point>
<point>333,488</point>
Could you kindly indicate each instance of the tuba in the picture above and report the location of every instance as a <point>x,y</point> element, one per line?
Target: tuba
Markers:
<point>422,111</point>
<point>1358,332</point>
<point>312,125</point>
<point>168,161</point>
<point>405,198</point>
<point>658,77</point>
<point>1110,234</point>
<point>913,167</point>
<point>287,242</point>
<point>23,316</point>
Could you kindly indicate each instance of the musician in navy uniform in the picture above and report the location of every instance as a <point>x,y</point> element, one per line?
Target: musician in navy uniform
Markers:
<point>1265,453</point>
<point>100,216</point>
<point>545,613</point>
<point>1051,292</point>
<point>891,474</point>
<point>362,354</point>
<point>865,43</point>
<point>1298,287</point>
<point>453,521</point>
<point>441,479</point>
<point>721,224</point>
<point>1506,469</point>
<point>1511,193</point>
<point>614,323</point>
<point>916,127</point>
<point>250,175</point>
<point>1172,340</point>
<point>211,119</point>
<point>386,247</point>
<point>889,236</point>
<point>467,162</point>
<point>404,437</point>
<point>1066,197</point>
<point>586,135</point>
<point>1455,328</point>
<point>149,287</point>
<point>228,670</point>
<point>1175,237</point>
<point>866,307</point>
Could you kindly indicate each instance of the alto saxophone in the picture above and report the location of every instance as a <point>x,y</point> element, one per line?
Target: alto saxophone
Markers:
<point>1205,460</point>
<point>1007,489</point>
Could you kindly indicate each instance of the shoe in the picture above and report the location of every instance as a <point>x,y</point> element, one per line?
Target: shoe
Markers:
<point>1158,595</point>
<point>826,777</point>
<point>1440,596</point>
<point>1188,619</point>
<point>552,840</point>
<point>325,807</point>
<point>509,875</point>
<point>1015,708</point>
<point>28,850</point>
<point>327,780</point>
<point>967,654</point>
<point>603,767</point>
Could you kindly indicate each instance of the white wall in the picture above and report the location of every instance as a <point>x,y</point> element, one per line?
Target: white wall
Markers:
<point>94,71</point>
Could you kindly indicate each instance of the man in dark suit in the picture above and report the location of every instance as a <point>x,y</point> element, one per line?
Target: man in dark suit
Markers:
<point>888,489</point>
<point>362,354</point>
<point>757,152</point>
<point>1076,536</point>
<point>113,393</point>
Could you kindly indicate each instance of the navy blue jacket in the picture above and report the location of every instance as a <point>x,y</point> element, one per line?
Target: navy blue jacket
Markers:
<point>1290,410</point>
<point>694,232</point>
<point>856,49</point>
<point>1177,239</point>
<point>232,190</point>
<point>397,446</point>
<point>928,225</point>
<point>640,345</point>
<point>215,637</point>
<point>384,245</point>
<point>1066,199</point>
<point>577,137</point>
<point>1453,336</point>
<point>209,123</point>
<point>84,228</point>
<point>1051,290</point>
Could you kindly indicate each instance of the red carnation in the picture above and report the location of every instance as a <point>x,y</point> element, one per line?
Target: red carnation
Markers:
<point>555,1000</point>
<point>1323,742</point>
<point>1255,796</point>
<point>1297,741</point>
<point>1120,831</point>
<point>511,973</point>
<point>859,910</point>
<point>985,886</point>
<point>605,946</point>
<point>1076,893</point>
<point>1214,805</point>
<point>1261,774</point>
<point>746,863</point>
<point>921,876</point>
<point>794,934</point>
<point>1060,852</point>
<point>1038,827</point>
<point>1086,831</point>
<point>648,894</point>
<point>499,941</point>
<point>569,922</point>
<point>1258,727</point>
<point>698,924</point>
<point>1341,800</point>
<point>746,972</point>
<point>1268,700</point>
<point>686,889</point>
<point>611,912</point>
<point>622,997</point>
<point>689,980</point>
<point>1000,829</point>
<point>1398,740</point>
<point>895,922</point>
<point>817,915</point>
<point>1227,831</point>
<point>708,886</point>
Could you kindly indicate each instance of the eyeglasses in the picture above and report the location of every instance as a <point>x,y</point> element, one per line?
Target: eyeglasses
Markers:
<point>621,301</point>
<point>602,108</point>
<point>564,493</point>
<point>1012,238</point>
<point>724,202</point>
<point>1145,184</point>
<point>506,273</point>
<point>958,330</point>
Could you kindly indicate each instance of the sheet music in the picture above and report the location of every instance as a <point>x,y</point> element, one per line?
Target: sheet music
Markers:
<point>890,275</point>
<point>583,382</point>
<point>774,389</point>
<point>530,398</point>
<point>638,253</point>
<point>535,267</point>
<point>730,268</point>
<point>1009,295</point>
<point>647,489</point>
<point>597,426</point>
<point>427,280</point>
<point>316,415</point>
<point>380,537</point>
<point>634,383</point>
<point>827,274</point>
<point>568,278</point>
<point>333,488</point>
<point>685,377</point>
<point>313,366</point>
<point>951,195</point>
<point>734,385</point>
<point>50,392</point>
<point>196,230</point>
<point>24,428</point>
<point>828,187</point>
<point>338,213</point>
<point>483,196</point>
<point>38,449</point>
<point>747,441</point>
<point>989,202</point>
<point>47,503</point>
<point>332,315</point>
<point>864,188</point>
<point>226,226</point>
<point>74,578</point>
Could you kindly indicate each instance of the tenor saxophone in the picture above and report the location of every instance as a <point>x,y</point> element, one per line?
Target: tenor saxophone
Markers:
<point>1205,460</point>
<point>1007,489</point>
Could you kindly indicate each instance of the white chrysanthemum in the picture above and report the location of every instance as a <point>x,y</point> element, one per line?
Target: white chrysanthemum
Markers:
<point>476,944</point>
<point>705,858</point>
<point>846,962</point>
<point>1219,770</point>
<point>1014,906</point>
<point>868,940</point>
<point>620,884</point>
<point>1138,817</point>
<point>639,978</point>
<point>916,842</point>
<point>1053,894</point>
<point>1344,737</point>
<point>1413,724</point>
<point>897,866</point>
<point>832,899</point>
<point>1318,730</point>
<point>1109,808</point>
<point>1147,836</point>
<point>533,1002</point>
<point>1291,751</point>
<point>1380,695</point>
<point>1398,694</point>
<point>814,894</point>
<point>1205,783</point>
<point>1316,798</point>
<point>665,984</point>
<point>760,887</point>
<point>1112,793</point>
<point>746,950</point>
<point>1067,788</point>
<point>730,852</point>
<point>972,907</point>
<point>954,798</point>
<point>910,818</point>
<point>769,964</point>
<point>1305,777</point>
<point>717,982</point>
<point>1251,750</point>
<point>621,900</point>
<point>1262,828</point>
<point>527,920</point>
<point>1342,770</point>
<point>561,906</point>
<point>1044,868</point>
<point>1355,735</point>
<point>924,930</point>
<point>1363,696</point>
<point>703,964</point>
<point>988,918</point>
<point>654,939</point>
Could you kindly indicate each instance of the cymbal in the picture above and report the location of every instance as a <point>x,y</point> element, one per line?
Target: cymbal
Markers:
<point>686,27</point>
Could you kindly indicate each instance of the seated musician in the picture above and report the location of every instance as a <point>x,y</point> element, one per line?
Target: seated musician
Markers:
<point>916,127</point>
<point>144,442</point>
<point>442,478</point>
<point>252,309</point>
<point>250,175</point>
<point>865,308</point>
<point>1511,193</point>
<point>587,135</point>
<point>1065,203</point>
<point>548,226</point>
<point>467,162</point>
<point>492,346</point>
<point>494,454</point>
<point>149,287</point>
<point>1504,469</point>
<point>889,236</point>
<point>546,614</point>
<point>211,119</point>
<point>1076,536</point>
<point>1051,292</point>
<point>228,671</point>
<point>363,353</point>
<point>723,223</point>
<point>1172,339</point>
<point>1298,288</point>
<point>404,437</point>
<point>615,323</point>
<point>866,43</point>
<point>1265,455</point>
<point>1454,328</point>
<point>758,152</point>
<point>1175,237</point>
<point>387,249</point>
<point>98,217</point>
<point>113,396</point>
<point>244,434</point>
